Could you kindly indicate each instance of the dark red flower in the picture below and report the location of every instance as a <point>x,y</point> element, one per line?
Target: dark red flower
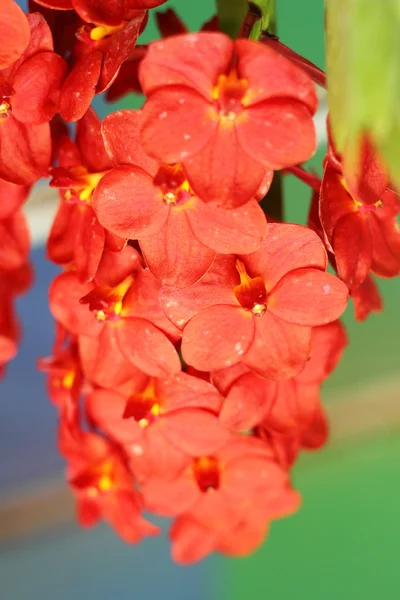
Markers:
<point>64,375</point>
<point>76,236</point>
<point>281,407</point>
<point>29,98</point>
<point>223,491</point>
<point>259,308</point>
<point>366,299</point>
<point>102,484</point>
<point>14,32</point>
<point>127,80</point>
<point>236,109</point>
<point>177,415</point>
<point>358,214</point>
<point>178,234</point>
<point>123,305</point>
<point>100,52</point>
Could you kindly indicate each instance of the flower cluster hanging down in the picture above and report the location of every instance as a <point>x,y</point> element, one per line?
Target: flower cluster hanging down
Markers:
<point>193,332</point>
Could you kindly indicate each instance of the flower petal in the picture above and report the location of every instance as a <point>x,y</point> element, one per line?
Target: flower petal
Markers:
<point>308,297</point>
<point>352,245</point>
<point>366,299</point>
<point>277,133</point>
<point>217,337</point>
<point>174,255</point>
<point>128,204</point>
<point>194,431</point>
<point>186,391</point>
<point>25,151</point>
<point>335,202</point>
<point>194,60</point>
<point>169,131</point>
<point>248,402</point>
<point>103,363</point>
<point>105,408</point>
<point>385,234</point>
<point>64,294</point>
<point>279,349</point>
<point>37,86</point>
<point>119,48</point>
<point>270,75</point>
<point>146,347</point>
<point>236,231</point>
<point>90,142</point>
<point>79,87</point>
<point>89,245</point>
<point>233,177</point>
<point>328,344</point>
<point>190,540</point>
<point>170,497</point>
<point>142,301</point>
<point>14,32</point>
<point>365,174</point>
<point>286,247</point>
<point>11,198</point>
<point>121,135</point>
<point>96,11</point>
<point>216,287</point>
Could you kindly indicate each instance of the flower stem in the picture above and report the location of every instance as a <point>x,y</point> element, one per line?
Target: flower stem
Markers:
<point>251,17</point>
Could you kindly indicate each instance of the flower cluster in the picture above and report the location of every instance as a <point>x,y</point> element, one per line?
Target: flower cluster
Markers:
<point>193,331</point>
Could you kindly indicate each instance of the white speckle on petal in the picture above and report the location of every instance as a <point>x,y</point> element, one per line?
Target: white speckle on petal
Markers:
<point>326,288</point>
<point>163,115</point>
<point>137,450</point>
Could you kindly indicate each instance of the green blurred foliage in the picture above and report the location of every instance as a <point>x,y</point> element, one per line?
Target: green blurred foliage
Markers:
<point>363,67</point>
<point>268,21</point>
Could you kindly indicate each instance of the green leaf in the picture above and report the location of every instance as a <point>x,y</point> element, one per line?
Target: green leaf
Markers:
<point>363,70</point>
<point>268,20</point>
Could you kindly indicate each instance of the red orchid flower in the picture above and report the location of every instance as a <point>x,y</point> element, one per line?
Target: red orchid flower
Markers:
<point>100,51</point>
<point>12,283</point>
<point>280,406</point>
<point>236,109</point>
<point>142,199</point>
<point>359,216</point>
<point>366,299</point>
<point>97,11</point>
<point>123,306</point>
<point>14,32</point>
<point>178,414</point>
<point>64,375</point>
<point>221,492</point>
<point>76,236</point>
<point>11,198</point>
<point>14,241</point>
<point>127,80</point>
<point>259,308</point>
<point>29,97</point>
<point>101,482</point>
<point>287,446</point>
<point>192,540</point>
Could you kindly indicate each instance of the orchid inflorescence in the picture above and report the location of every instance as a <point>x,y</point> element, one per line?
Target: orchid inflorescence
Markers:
<point>193,331</point>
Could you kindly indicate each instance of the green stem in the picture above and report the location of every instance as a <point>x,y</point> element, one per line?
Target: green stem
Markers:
<point>230,15</point>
